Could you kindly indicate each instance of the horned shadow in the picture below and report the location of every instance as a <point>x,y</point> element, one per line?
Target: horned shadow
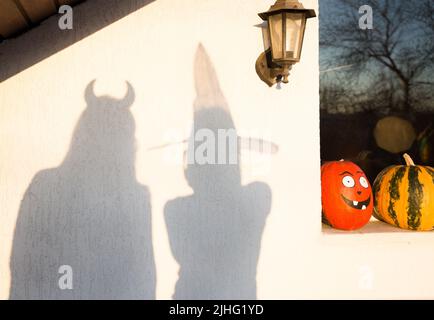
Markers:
<point>89,213</point>
<point>215,233</point>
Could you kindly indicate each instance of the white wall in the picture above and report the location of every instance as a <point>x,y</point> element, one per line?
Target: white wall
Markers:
<point>73,216</point>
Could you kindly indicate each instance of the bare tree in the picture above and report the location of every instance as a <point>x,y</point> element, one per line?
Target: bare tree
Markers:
<point>342,90</point>
<point>335,96</point>
<point>426,12</point>
<point>400,44</point>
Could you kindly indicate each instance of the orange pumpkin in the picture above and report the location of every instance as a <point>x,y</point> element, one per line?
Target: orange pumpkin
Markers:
<point>347,200</point>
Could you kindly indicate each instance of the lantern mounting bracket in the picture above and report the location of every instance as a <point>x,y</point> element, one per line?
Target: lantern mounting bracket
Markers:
<point>270,72</point>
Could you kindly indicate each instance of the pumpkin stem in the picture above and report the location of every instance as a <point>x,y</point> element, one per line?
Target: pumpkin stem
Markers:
<point>408,160</point>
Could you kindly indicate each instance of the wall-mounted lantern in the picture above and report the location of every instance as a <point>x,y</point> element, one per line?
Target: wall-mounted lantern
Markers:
<point>283,33</point>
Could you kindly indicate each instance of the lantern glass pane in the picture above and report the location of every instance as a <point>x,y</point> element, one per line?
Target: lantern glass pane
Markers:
<point>266,35</point>
<point>276,34</point>
<point>294,31</point>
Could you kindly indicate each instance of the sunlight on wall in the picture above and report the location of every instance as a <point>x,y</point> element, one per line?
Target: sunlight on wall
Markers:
<point>154,49</point>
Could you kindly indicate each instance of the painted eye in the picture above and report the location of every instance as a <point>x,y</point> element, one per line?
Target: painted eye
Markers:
<point>364,182</point>
<point>348,182</point>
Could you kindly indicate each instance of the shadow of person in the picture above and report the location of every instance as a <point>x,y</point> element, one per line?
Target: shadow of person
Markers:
<point>89,213</point>
<point>215,234</point>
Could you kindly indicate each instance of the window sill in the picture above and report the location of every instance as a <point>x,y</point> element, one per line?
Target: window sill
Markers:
<point>376,232</point>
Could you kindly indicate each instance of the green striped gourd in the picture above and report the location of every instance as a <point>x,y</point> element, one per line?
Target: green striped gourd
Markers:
<point>404,196</point>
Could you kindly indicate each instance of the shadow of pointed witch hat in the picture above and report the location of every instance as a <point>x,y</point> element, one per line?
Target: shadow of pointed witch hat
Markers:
<point>211,110</point>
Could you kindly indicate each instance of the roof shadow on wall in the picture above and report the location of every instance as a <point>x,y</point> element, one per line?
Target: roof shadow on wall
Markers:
<point>47,39</point>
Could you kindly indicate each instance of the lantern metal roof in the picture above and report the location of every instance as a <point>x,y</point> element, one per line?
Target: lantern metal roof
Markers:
<point>292,6</point>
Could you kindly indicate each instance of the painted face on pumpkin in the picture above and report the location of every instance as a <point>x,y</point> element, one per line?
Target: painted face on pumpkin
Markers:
<point>347,199</point>
<point>358,195</point>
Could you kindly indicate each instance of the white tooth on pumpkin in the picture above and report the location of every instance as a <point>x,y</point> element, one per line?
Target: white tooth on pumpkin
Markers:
<point>364,207</point>
<point>355,203</point>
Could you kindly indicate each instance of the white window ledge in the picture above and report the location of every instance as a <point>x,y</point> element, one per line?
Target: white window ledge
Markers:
<point>377,232</point>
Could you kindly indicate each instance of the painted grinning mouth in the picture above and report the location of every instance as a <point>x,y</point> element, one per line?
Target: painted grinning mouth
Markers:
<point>357,205</point>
